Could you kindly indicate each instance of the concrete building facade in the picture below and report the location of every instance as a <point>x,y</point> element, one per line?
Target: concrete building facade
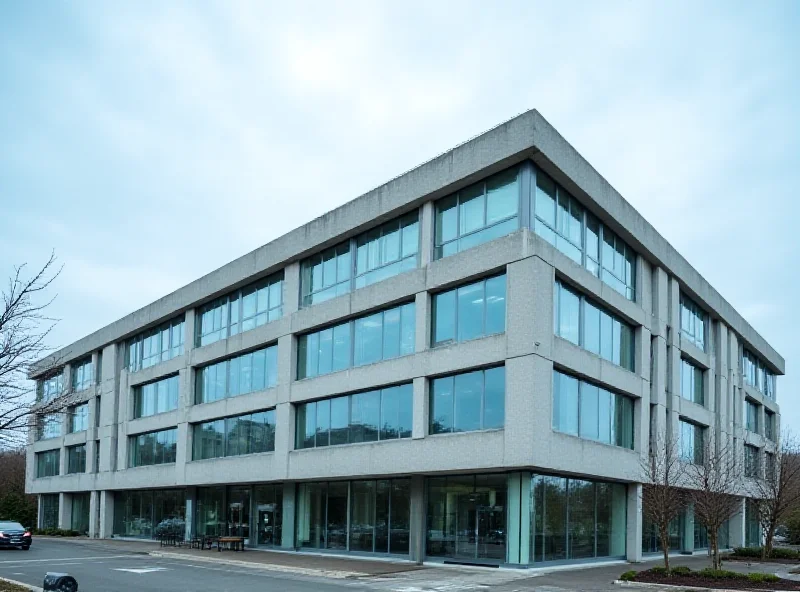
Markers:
<point>466,364</point>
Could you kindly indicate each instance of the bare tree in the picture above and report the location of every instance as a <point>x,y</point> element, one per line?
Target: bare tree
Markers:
<point>778,492</point>
<point>24,328</point>
<point>662,498</point>
<point>715,487</point>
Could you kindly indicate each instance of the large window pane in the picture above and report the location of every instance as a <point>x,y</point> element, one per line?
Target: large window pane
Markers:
<point>470,311</point>
<point>368,339</point>
<point>444,317</point>
<point>568,315</point>
<point>565,403</point>
<point>442,397</point>
<point>589,412</point>
<point>468,391</point>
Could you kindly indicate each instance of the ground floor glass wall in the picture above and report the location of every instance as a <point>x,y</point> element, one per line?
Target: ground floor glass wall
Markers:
<point>370,516</point>
<point>651,542</point>
<point>574,519</point>
<point>48,517</point>
<point>752,527</point>
<point>149,513</point>
<point>80,513</point>
<point>254,513</point>
<point>466,518</point>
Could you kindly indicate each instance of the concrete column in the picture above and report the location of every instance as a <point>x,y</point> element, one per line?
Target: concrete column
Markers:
<point>736,527</point>
<point>539,294</point>
<point>190,320</point>
<point>39,512</point>
<point>191,508</point>
<point>619,524</point>
<point>426,221</point>
<point>289,513</point>
<point>420,408</point>
<point>417,522</point>
<point>94,514</point>
<point>633,543</point>
<point>65,510</point>
<point>521,288</point>
<point>96,359</point>
<point>91,446</point>
<point>183,450</point>
<point>687,545</point>
<point>291,288</point>
<point>106,514</point>
<point>423,305</point>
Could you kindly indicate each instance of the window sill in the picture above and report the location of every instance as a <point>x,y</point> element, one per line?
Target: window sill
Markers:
<point>216,458</point>
<point>446,434</point>
<point>597,442</point>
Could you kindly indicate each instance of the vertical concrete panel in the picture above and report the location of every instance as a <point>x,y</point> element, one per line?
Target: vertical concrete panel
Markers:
<point>291,288</point>
<point>540,426</point>
<point>520,309</point>
<point>525,394</point>
<point>633,544</point>
<point>422,325</point>
<point>284,437</point>
<point>94,514</point>
<point>65,510</point>
<point>540,306</point>
<point>687,545</point>
<point>183,451</point>
<point>418,513</point>
<point>106,514</point>
<point>289,515</point>
<point>287,363</point>
<point>190,320</point>
<point>426,221</point>
<point>736,526</point>
<point>420,408</point>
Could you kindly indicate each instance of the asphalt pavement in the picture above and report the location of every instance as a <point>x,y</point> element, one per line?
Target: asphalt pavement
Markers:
<point>109,566</point>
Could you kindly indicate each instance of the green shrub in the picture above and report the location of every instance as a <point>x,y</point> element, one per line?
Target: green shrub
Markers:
<point>718,574</point>
<point>747,552</point>
<point>659,570</point>
<point>55,532</point>
<point>628,576</point>
<point>783,554</point>
<point>755,553</point>
<point>681,570</point>
<point>762,577</point>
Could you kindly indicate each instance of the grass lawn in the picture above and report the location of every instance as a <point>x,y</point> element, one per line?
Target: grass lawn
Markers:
<point>8,587</point>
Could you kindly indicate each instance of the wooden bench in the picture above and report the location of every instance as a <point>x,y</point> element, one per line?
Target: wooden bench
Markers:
<point>232,543</point>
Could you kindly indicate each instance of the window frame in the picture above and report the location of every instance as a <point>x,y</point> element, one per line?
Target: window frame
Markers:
<point>693,380</point>
<point>134,449</point>
<point>81,368</point>
<point>455,290</point>
<point>456,197</point>
<point>138,394</point>
<point>198,427</point>
<point>134,347</point>
<point>698,443</point>
<point>42,463</point>
<point>695,312</point>
<point>84,414</point>
<point>752,461</point>
<point>199,391</point>
<point>72,450</point>
<point>454,411</point>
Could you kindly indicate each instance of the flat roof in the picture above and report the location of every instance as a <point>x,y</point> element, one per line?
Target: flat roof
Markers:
<point>526,136</point>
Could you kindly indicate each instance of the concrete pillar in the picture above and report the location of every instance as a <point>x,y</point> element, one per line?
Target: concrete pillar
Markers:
<point>106,514</point>
<point>289,514</point>
<point>39,512</point>
<point>687,545</point>
<point>94,514</point>
<point>633,544</point>
<point>190,320</point>
<point>426,221</point>
<point>423,304</point>
<point>183,450</point>
<point>417,522</point>
<point>291,288</point>
<point>736,527</point>
<point>65,511</point>
<point>91,446</point>
<point>520,277</point>
<point>191,508</point>
<point>420,408</point>
<point>619,523</point>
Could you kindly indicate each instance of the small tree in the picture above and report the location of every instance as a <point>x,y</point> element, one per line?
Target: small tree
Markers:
<point>14,503</point>
<point>778,492</point>
<point>714,487</point>
<point>24,329</point>
<point>662,499</point>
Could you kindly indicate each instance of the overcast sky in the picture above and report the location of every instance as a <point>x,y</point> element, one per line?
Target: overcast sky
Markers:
<point>149,143</point>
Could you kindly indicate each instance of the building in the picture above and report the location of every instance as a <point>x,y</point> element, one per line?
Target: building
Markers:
<point>464,364</point>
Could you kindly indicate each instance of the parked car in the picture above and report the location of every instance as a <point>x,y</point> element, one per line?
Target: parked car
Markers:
<point>13,534</point>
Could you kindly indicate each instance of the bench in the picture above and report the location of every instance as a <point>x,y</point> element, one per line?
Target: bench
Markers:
<point>232,543</point>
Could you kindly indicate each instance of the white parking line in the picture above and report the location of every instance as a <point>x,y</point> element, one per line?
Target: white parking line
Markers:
<point>54,559</point>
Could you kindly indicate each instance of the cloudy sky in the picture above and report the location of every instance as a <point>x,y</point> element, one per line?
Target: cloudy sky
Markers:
<point>149,143</point>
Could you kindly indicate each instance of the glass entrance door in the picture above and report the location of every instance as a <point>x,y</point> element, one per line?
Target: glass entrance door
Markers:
<point>268,530</point>
<point>239,512</point>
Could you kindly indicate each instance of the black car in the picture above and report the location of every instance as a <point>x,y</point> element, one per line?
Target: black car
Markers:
<point>12,534</point>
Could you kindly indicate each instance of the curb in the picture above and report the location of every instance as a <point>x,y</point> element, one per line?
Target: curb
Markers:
<point>338,574</point>
<point>22,584</point>
<point>677,587</point>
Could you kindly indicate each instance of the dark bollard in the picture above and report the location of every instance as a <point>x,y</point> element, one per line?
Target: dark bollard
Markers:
<point>60,582</point>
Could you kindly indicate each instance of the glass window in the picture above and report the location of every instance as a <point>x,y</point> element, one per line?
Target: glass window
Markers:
<point>599,331</point>
<point>79,418</point>
<point>560,219</point>
<point>243,374</point>
<point>477,214</point>
<point>692,388</point>
<point>49,426</point>
<point>48,464</point>
<point>751,416</point>
<point>233,436</point>
<point>468,401</point>
<point>383,414</point>
<point>155,397</point>
<point>326,275</point>
<point>592,412</point>
<point>156,345</point>
<point>693,322</point>
<point>576,519</point>
<point>751,458</point>
<point>692,448</point>
<point>82,374</point>
<point>50,388</point>
<point>756,374</point>
<point>152,513</point>
<point>242,310</point>
<point>153,448</point>
<point>48,517</point>
<point>380,336</point>
<point>387,250</point>
<point>470,311</point>
<point>769,425</point>
<point>76,459</point>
